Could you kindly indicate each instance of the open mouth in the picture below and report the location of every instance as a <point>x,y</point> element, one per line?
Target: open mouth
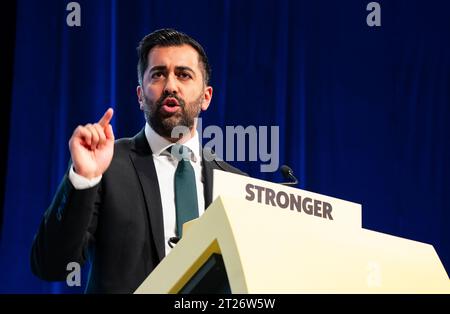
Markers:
<point>171,102</point>
<point>170,105</point>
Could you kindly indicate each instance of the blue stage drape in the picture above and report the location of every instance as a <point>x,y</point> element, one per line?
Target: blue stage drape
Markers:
<point>363,112</point>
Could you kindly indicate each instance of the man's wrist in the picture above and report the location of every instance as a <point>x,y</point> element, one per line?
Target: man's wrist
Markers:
<point>80,183</point>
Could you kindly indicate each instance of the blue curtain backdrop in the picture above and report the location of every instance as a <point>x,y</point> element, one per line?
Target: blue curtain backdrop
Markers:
<point>363,112</point>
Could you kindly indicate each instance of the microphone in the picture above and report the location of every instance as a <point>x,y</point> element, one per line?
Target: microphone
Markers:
<point>288,174</point>
<point>172,241</point>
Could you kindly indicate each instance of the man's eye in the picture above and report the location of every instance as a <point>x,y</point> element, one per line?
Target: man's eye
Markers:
<point>184,75</point>
<point>157,75</point>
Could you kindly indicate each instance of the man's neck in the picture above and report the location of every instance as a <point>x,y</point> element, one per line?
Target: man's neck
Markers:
<point>158,143</point>
<point>184,137</point>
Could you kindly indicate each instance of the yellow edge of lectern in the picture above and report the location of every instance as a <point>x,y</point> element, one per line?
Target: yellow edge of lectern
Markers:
<point>213,248</point>
<point>270,250</point>
<point>200,240</point>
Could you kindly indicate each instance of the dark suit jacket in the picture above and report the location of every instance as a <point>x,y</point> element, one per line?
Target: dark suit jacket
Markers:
<point>117,224</point>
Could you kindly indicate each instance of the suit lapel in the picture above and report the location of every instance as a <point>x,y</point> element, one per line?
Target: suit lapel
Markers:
<point>141,156</point>
<point>208,186</point>
<point>208,165</point>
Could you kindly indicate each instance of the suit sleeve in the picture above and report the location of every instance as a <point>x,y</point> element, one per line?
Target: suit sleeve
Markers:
<point>66,231</point>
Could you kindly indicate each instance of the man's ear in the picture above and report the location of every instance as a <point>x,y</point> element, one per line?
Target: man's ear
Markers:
<point>207,96</point>
<point>140,95</point>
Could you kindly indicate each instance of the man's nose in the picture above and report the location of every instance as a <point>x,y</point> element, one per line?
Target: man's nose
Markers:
<point>171,84</point>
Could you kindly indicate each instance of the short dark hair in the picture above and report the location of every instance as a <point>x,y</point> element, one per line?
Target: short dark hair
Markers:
<point>165,38</point>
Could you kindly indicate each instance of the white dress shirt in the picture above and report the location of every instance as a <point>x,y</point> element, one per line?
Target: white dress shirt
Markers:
<point>165,165</point>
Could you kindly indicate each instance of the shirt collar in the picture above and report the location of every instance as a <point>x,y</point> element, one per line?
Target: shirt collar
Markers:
<point>159,144</point>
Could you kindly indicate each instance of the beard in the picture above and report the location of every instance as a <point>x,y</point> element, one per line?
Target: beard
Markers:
<point>162,122</point>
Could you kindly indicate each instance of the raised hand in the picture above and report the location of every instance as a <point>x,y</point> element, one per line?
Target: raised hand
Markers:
<point>92,147</point>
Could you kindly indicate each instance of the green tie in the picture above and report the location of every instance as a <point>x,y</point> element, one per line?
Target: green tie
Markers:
<point>186,204</point>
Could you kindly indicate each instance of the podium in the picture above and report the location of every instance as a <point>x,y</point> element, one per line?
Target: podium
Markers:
<point>261,237</point>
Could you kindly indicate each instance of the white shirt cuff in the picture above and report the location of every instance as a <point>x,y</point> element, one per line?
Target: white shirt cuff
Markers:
<point>80,182</point>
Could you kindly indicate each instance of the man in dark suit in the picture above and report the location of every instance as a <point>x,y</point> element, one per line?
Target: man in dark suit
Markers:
<point>121,202</point>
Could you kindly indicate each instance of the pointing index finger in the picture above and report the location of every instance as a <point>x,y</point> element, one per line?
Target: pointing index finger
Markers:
<point>104,121</point>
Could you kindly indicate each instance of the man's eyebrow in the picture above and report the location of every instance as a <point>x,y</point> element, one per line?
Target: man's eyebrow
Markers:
<point>184,68</point>
<point>177,68</point>
<point>158,68</point>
